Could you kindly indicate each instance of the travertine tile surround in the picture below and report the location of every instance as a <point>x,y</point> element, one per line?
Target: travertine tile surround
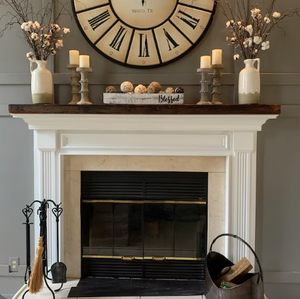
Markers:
<point>215,166</point>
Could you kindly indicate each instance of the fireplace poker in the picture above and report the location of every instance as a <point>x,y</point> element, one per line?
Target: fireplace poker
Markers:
<point>27,212</point>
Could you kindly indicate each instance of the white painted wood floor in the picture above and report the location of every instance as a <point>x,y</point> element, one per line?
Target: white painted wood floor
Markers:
<point>63,293</point>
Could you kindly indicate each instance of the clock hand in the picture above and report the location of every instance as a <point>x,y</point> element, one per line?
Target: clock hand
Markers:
<point>143,2</point>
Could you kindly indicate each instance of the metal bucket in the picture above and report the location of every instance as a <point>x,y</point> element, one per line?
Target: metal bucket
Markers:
<point>251,287</point>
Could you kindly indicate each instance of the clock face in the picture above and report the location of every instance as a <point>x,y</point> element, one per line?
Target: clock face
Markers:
<point>143,33</point>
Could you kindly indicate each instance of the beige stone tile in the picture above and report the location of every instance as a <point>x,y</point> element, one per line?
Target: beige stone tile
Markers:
<point>216,195</point>
<point>67,161</point>
<point>216,209</point>
<point>74,164</point>
<point>72,241</point>
<point>147,163</point>
<point>217,227</point>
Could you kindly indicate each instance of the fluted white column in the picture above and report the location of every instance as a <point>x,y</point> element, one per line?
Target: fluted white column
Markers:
<point>45,185</point>
<point>242,194</point>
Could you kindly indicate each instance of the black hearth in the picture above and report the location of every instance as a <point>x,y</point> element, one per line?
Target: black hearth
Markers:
<point>144,226</point>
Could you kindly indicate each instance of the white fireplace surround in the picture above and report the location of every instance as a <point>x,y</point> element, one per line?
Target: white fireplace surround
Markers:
<point>230,136</point>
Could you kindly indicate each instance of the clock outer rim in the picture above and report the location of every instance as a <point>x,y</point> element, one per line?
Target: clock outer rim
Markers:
<point>124,64</point>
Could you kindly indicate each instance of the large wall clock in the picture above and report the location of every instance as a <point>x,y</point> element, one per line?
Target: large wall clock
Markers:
<point>144,33</point>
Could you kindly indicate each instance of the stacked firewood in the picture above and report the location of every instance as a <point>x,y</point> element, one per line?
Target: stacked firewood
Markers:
<point>231,276</point>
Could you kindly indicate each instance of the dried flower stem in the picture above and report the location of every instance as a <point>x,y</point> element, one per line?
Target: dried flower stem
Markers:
<point>250,28</point>
<point>21,12</point>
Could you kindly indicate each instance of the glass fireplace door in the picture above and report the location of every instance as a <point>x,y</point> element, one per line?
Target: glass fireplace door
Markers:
<point>112,230</point>
<point>143,237</point>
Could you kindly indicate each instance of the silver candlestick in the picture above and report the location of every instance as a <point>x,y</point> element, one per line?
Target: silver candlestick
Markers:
<point>84,85</point>
<point>217,75</point>
<point>204,86</point>
<point>75,83</point>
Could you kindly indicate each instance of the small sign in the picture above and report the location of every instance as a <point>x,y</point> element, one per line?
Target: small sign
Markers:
<point>144,99</point>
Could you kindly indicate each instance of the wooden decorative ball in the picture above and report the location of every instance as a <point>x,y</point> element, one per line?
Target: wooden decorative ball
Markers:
<point>179,90</point>
<point>140,89</point>
<point>151,89</point>
<point>156,86</point>
<point>126,87</point>
<point>110,89</point>
<point>169,90</point>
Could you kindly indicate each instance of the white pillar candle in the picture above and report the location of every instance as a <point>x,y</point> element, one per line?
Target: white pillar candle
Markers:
<point>205,62</point>
<point>84,61</point>
<point>217,56</point>
<point>74,57</point>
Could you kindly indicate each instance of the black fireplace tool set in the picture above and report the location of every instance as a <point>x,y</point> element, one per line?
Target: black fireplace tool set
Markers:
<point>58,269</point>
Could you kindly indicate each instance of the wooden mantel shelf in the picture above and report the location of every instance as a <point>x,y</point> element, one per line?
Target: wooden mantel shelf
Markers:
<point>144,109</point>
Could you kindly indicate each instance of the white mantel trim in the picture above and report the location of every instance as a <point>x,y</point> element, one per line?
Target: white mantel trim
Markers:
<point>145,122</point>
<point>232,136</point>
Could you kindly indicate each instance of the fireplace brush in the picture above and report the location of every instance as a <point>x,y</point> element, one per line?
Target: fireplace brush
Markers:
<point>36,277</point>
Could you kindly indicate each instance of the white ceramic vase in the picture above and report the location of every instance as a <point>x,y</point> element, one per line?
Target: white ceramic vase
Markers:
<point>249,82</point>
<point>41,83</point>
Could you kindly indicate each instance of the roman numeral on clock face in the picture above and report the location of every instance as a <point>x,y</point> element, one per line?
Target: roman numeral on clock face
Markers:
<point>134,34</point>
<point>188,19</point>
<point>118,40</point>
<point>144,50</point>
<point>99,20</point>
<point>171,42</point>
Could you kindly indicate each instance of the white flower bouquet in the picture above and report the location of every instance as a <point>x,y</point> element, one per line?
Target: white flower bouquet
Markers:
<point>43,37</point>
<point>251,29</point>
<point>43,40</point>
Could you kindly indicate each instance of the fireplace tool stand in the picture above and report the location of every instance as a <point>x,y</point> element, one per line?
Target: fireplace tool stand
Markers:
<point>58,269</point>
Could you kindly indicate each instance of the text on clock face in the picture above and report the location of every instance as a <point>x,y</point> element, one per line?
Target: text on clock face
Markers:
<point>148,10</point>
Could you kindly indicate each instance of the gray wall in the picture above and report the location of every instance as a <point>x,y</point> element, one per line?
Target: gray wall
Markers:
<point>278,162</point>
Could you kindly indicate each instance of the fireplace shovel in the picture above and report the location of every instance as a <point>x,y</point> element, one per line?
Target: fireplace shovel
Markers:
<point>58,269</point>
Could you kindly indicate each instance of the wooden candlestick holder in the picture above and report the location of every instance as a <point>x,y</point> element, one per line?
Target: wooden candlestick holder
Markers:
<point>217,75</point>
<point>75,83</point>
<point>84,85</point>
<point>204,100</point>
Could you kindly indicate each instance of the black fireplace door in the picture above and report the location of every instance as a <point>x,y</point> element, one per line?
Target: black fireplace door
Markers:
<point>144,224</point>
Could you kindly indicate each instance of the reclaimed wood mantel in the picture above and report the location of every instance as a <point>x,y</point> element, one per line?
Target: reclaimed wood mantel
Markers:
<point>145,109</point>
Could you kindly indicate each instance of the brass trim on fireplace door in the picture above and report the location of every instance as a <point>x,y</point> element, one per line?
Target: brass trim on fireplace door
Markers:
<point>176,202</point>
<point>144,201</point>
<point>101,256</point>
<point>111,201</point>
<point>127,258</point>
<point>155,258</point>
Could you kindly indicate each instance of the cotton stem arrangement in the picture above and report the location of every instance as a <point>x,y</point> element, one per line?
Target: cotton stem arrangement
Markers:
<point>40,29</point>
<point>44,41</point>
<point>252,27</point>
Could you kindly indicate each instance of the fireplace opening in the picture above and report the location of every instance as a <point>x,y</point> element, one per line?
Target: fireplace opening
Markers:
<point>144,225</point>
